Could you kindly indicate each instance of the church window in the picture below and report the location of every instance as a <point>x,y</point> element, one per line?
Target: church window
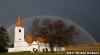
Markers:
<point>34,50</point>
<point>45,49</point>
<point>19,30</point>
<point>19,39</point>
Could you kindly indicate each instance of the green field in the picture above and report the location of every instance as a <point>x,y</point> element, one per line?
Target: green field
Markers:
<point>87,47</point>
<point>29,53</point>
<point>42,53</point>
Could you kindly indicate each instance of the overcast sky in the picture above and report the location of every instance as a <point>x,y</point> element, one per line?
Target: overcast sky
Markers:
<point>85,13</point>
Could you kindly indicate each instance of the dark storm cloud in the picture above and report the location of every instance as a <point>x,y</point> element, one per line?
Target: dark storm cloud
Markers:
<point>85,13</point>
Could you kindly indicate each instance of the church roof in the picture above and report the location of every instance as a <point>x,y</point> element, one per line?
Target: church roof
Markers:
<point>40,39</point>
<point>30,39</point>
<point>19,22</point>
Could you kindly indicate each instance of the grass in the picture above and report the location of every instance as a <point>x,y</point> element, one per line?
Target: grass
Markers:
<point>68,49</point>
<point>39,53</point>
<point>29,53</point>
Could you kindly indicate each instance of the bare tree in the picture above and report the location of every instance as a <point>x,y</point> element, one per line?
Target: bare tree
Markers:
<point>57,32</point>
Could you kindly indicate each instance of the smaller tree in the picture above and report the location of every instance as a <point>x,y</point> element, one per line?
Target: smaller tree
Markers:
<point>4,39</point>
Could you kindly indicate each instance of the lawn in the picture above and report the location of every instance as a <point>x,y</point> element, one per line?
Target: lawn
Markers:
<point>29,53</point>
<point>68,49</point>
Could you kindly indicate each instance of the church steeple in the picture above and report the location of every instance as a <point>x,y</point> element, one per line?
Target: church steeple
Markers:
<point>19,33</point>
<point>19,22</point>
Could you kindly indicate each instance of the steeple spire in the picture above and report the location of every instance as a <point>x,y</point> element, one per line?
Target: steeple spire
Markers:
<point>19,22</point>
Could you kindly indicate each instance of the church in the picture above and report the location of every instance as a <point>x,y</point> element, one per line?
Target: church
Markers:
<point>29,43</point>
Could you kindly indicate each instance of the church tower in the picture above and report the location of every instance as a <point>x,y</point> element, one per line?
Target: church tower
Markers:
<point>19,33</point>
<point>19,30</point>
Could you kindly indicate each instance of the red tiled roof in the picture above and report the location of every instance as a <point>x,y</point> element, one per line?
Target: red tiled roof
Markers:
<point>30,39</point>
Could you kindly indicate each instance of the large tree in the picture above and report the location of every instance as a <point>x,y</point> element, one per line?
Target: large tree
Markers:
<point>4,39</point>
<point>60,34</point>
<point>57,32</point>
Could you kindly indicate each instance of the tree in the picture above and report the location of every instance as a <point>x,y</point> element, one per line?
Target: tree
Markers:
<point>39,28</point>
<point>4,39</point>
<point>60,34</point>
<point>57,32</point>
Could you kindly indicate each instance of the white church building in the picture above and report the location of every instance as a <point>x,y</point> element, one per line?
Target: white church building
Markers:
<point>22,44</point>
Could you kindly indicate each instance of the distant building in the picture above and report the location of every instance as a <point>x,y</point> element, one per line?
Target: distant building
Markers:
<point>29,43</point>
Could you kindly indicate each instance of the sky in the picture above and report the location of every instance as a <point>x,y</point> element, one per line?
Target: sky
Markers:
<point>85,13</point>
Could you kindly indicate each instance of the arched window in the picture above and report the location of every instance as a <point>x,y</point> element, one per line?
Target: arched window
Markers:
<point>19,30</point>
<point>34,50</point>
<point>19,39</point>
<point>45,49</point>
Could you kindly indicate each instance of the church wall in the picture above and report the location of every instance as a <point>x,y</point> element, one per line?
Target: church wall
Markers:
<point>44,47</point>
<point>19,49</point>
<point>20,44</point>
<point>59,49</point>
